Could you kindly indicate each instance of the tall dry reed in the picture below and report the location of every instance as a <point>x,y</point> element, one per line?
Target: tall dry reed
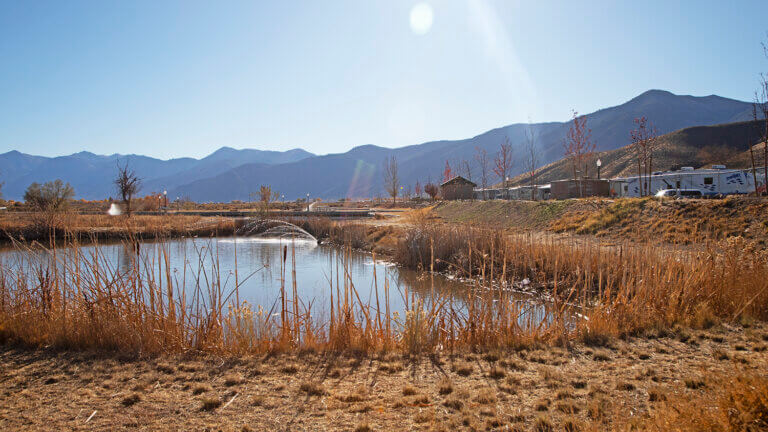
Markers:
<point>73,298</point>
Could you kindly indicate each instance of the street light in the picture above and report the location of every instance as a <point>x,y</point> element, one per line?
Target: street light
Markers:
<point>307,202</point>
<point>599,164</point>
<point>165,198</point>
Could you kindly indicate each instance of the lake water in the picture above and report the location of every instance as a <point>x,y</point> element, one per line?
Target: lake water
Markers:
<point>256,266</point>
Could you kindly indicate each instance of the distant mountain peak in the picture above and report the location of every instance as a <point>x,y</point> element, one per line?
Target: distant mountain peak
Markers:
<point>365,147</point>
<point>653,95</point>
<point>223,149</point>
<point>656,92</point>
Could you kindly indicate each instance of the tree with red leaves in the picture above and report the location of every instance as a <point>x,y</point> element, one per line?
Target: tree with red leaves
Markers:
<point>447,172</point>
<point>578,146</point>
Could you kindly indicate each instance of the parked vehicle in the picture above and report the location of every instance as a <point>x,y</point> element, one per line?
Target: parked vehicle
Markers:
<point>710,181</point>
<point>679,193</point>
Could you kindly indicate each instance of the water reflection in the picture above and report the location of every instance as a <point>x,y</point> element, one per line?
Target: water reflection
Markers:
<point>256,266</point>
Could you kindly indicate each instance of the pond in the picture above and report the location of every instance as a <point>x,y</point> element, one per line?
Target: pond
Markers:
<point>256,267</point>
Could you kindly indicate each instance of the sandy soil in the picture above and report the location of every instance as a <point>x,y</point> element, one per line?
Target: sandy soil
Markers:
<point>521,390</point>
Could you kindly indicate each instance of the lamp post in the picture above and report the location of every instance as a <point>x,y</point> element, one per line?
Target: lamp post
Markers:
<point>307,202</point>
<point>165,198</point>
<point>599,164</point>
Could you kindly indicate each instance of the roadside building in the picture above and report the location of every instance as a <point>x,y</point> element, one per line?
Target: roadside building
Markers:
<point>579,188</point>
<point>540,192</point>
<point>457,188</point>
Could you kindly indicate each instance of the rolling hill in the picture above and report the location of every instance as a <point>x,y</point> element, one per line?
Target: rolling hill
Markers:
<point>698,147</point>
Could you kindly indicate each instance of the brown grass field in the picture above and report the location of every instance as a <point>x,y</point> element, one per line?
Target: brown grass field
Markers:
<point>674,340</point>
<point>26,226</point>
<point>687,381</point>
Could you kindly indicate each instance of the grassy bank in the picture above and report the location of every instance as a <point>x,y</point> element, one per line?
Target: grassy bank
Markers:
<point>637,219</point>
<point>29,227</point>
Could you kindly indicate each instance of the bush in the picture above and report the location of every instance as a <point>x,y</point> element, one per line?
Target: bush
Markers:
<point>49,200</point>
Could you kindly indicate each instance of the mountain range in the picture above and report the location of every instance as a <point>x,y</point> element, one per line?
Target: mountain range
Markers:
<point>230,174</point>
<point>91,174</point>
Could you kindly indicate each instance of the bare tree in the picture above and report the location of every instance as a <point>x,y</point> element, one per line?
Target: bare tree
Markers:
<point>417,189</point>
<point>432,190</point>
<point>752,148</point>
<point>391,178</point>
<point>643,144</point>
<point>578,146</point>
<point>503,162</point>
<point>760,113</point>
<point>531,159</point>
<point>481,156</point>
<point>466,167</point>
<point>128,184</point>
<point>267,196</point>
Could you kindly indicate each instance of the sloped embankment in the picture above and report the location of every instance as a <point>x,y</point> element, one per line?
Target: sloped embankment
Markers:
<point>681,222</point>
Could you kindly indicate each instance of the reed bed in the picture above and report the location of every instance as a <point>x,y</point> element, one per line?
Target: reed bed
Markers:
<point>85,227</point>
<point>71,298</point>
<point>624,289</point>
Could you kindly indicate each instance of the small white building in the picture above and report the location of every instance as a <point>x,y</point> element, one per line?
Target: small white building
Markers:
<point>711,182</point>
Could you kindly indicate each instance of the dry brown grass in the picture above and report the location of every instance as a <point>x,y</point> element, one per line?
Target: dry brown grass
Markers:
<point>362,395</point>
<point>626,291</point>
<point>737,403</point>
<point>88,227</point>
<point>210,403</point>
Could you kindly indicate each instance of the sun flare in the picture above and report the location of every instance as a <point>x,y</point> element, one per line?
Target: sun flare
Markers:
<point>421,18</point>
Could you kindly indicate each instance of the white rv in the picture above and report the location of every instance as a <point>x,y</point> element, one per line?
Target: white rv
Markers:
<point>711,182</point>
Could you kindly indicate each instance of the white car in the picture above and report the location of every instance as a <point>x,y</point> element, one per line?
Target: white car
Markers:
<point>679,193</point>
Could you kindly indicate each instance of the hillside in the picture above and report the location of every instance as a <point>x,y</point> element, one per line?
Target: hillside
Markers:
<point>626,219</point>
<point>698,147</point>
<point>357,173</point>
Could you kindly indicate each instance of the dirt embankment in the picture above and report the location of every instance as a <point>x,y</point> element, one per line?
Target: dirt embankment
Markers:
<point>646,219</point>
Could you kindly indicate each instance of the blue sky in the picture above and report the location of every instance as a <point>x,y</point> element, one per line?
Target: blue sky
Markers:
<point>170,79</point>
